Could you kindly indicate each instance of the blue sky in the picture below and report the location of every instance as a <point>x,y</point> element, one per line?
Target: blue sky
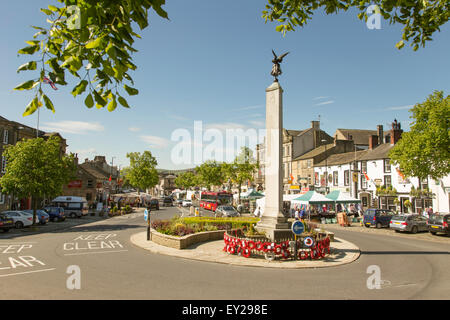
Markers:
<point>211,62</point>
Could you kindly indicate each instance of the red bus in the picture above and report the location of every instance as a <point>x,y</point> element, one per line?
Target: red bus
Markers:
<point>211,200</point>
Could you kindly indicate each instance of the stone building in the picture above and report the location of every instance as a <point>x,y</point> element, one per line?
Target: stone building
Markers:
<point>295,144</point>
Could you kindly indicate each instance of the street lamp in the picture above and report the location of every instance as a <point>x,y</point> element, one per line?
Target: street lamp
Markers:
<point>326,166</point>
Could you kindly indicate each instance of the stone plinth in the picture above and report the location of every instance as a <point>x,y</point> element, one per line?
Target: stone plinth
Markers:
<point>273,221</point>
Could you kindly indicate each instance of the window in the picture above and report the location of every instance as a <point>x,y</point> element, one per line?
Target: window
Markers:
<point>90,183</point>
<point>363,181</point>
<point>309,163</point>
<point>387,166</point>
<point>3,165</point>
<point>89,196</point>
<point>364,166</point>
<point>309,179</point>
<point>5,136</point>
<point>346,177</point>
<point>387,181</point>
<point>335,178</point>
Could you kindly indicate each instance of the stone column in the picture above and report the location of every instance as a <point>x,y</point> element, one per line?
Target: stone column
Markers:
<point>273,221</point>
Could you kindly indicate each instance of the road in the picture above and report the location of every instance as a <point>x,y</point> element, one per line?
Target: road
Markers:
<point>35,267</point>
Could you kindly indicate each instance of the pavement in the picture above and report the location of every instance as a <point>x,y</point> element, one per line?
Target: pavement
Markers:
<point>342,252</point>
<point>356,227</point>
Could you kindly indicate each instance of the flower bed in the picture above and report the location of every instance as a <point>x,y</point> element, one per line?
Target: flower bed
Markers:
<point>312,246</point>
<point>184,226</point>
<point>186,241</point>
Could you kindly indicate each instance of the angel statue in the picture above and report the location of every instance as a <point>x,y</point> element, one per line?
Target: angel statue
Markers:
<point>276,69</point>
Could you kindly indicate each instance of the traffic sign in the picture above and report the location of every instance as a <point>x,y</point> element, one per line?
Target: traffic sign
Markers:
<point>309,242</point>
<point>298,227</point>
<point>146,214</point>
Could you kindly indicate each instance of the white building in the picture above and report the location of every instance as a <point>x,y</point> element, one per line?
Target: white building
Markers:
<point>360,173</point>
<point>441,190</point>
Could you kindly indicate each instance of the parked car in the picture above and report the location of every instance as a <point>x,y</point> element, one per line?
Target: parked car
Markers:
<point>377,217</point>
<point>153,204</point>
<point>439,223</point>
<point>55,213</point>
<point>73,206</point>
<point>41,215</point>
<point>226,211</point>
<point>6,223</point>
<point>168,202</point>
<point>186,203</point>
<point>409,222</point>
<point>21,219</point>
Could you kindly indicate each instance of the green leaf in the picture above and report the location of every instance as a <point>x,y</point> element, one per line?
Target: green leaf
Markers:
<point>131,91</point>
<point>94,43</point>
<point>112,105</point>
<point>111,50</point>
<point>48,103</point>
<point>89,102</point>
<point>123,102</point>
<point>79,88</point>
<point>27,66</point>
<point>29,50</point>
<point>31,107</point>
<point>47,12</point>
<point>100,101</point>
<point>400,44</point>
<point>27,85</point>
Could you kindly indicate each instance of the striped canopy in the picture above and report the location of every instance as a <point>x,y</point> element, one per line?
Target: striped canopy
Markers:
<point>312,197</point>
<point>341,197</point>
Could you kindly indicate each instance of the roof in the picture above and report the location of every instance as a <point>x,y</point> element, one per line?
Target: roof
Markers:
<point>380,152</point>
<point>315,152</point>
<point>94,171</point>
<point>360,136</point>
<point>341,158</point>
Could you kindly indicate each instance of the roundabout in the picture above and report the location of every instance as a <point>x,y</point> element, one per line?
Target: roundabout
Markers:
<point>341,252</point>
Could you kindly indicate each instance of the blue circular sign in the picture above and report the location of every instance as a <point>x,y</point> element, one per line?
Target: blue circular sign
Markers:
<point>298,227</point>
<point>309,242</point>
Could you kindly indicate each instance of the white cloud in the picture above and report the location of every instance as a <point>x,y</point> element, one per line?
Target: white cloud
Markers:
<point>74,127</point>
<point>250,107</point>
<point>401,107</point>
<point>257,123</point>
<point>134,129</point>
<point>224,126</point>
<point>325,102</point>
<point>318,98</point>
<point>154,141</point>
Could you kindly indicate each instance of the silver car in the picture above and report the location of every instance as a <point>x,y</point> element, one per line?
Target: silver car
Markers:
<point>409,223</point>
<point>226,211</point>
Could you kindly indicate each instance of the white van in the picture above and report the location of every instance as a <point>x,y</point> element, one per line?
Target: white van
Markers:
<point>73,206</point>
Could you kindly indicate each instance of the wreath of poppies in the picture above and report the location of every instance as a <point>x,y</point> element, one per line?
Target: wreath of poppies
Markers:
<point>245,248</point>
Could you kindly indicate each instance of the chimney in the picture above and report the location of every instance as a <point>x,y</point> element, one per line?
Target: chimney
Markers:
<point>315,125</point>
<point>380,133</point>
<point>373,142</point>
<point>75,159</point>
<point>396,132</point>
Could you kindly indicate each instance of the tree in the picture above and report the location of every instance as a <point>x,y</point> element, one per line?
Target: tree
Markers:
<point>186,180</point>
<point>96,37</point>
<point>142,172</point>
<point>420,18</point>
<point>92,40</point>
<point>210,174</point>
<point>424,150</point>
<point>244,167</point>
<point>37,169</point>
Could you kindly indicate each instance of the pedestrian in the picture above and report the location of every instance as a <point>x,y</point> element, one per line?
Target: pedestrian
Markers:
<point>296,214</point>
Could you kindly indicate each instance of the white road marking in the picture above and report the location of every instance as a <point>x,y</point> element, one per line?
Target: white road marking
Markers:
<point>77,254</point>
<point>14,274</point>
